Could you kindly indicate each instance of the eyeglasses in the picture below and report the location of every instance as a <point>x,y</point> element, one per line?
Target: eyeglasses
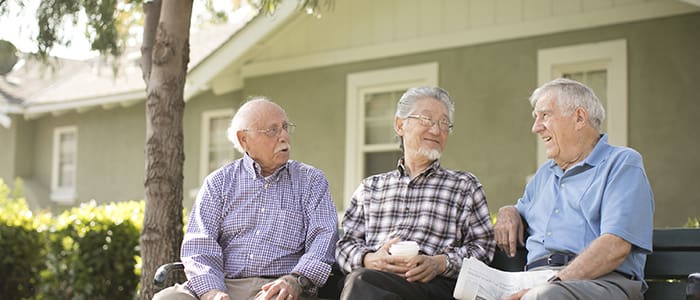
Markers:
<point>275,130</point>
<point>426,121</point>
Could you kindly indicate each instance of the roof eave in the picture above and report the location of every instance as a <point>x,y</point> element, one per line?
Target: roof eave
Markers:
<point>233,50</point>
<point>108,101</point>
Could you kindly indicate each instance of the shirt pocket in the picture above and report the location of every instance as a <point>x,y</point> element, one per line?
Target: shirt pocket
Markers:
<point>289,230</point>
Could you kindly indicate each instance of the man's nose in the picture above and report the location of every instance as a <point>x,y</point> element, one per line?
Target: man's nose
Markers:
<point>435,129</point>
<point>537,126</point>
<point>283,135</point>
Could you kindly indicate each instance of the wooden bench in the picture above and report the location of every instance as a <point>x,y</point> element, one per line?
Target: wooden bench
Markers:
<point>331,290</point>
<point>676,254</point>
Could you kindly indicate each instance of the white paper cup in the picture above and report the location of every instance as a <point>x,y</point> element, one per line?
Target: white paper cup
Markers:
<point>405,248</point>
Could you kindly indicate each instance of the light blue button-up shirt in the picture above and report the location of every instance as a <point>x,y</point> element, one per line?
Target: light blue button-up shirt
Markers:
<point>608,192</point>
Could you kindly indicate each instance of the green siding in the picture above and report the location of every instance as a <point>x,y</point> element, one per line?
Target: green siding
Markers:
<point>8,144</point>
<point>192,131</point>
<point>490,84</point>
<point>24,162</point>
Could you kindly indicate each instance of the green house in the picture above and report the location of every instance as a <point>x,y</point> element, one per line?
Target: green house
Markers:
<point>80,135</point>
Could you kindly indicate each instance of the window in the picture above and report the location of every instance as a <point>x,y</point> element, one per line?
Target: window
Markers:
<point>63,173</point>
<point>603,67</point>
<point>371,143</point>
<point>216,149</point>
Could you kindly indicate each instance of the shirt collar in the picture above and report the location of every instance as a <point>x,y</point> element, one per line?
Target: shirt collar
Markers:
<point>253,168</point>
<point>593,159</point>
<point>599,152</point>
<point>433,168</point>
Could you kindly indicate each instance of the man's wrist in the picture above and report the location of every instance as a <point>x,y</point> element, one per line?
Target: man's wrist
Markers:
<point>448,264</point>
<point>303,283</point>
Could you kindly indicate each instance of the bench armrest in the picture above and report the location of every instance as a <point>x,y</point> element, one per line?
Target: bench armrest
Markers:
<point>163,271</point>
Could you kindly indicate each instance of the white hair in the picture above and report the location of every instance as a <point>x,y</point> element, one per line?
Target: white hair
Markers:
<point>570,95</point>
<point>242,120</point>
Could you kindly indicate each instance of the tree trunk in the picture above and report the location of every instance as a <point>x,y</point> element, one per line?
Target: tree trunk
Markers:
<point>165,81</point>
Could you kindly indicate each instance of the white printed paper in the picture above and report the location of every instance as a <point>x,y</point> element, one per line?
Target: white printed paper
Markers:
<point>478,281</point>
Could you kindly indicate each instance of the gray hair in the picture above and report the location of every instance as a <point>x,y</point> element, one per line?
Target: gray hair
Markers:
<point>242,120</point>
<point>570,95</point>
<point>408,100</point>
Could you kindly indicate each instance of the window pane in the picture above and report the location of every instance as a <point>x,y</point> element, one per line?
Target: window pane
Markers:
<point>380,162</point>
<point>597,80</point>
<point>66,176</point>
<point>221,150</point>
<point>379,117</point>
<point>66,160</point>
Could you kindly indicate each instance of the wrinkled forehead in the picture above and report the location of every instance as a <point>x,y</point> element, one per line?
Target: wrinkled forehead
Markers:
<point>266,114</point>
<point>431,107</point>
<point>546,101</point>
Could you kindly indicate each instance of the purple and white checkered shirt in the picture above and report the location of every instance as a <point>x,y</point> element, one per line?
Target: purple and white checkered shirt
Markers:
<point>245,225</point>
<point>443,210</point>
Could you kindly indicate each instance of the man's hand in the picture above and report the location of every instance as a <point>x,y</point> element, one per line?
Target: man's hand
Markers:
<point>284,288</point>
<point>383,261</point>
<point>424,268</point>
<point>517,295</point>
<point>509,230</point>
<point>215,295</point>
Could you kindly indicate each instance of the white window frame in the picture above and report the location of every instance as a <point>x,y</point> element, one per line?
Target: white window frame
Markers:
<point>609,55</point>
<point>376,81</point>
<point>63,195</point>
<point>205,138</point>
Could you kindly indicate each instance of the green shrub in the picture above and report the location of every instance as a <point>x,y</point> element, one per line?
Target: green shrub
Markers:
<point>93,252</point>
<point>22,246</point>
<point>693,222</point>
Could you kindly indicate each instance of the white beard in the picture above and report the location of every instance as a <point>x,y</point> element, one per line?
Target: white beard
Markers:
<point>431,154</point>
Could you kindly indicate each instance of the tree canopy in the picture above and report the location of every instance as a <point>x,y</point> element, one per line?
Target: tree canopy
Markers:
<point>109,24</point>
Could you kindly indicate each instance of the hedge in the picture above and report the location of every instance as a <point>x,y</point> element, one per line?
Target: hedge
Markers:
<point>87,252</point>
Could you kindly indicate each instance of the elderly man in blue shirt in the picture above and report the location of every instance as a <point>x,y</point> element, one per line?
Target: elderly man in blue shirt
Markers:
<point>263,226</point>
<point>588,211</point>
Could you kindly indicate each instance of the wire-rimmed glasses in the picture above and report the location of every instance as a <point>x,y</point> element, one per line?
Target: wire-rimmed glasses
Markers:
<point>443,124</point>
<point>275,130</point>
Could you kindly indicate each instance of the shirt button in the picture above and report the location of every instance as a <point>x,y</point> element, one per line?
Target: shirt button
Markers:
<point>549,233</point>
<point>556,211</point>
<point>251,256</point>
<point>562,185</point>
<point>262,210</point>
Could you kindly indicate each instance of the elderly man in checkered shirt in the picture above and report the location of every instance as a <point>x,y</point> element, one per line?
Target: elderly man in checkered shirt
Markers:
<point>263,226</point>
<point>443,210</point>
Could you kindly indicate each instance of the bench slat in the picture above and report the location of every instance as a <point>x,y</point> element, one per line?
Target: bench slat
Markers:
<point>672,264</point>
<point>677,239</point>
<point>665,290</point>
<point>502,262</point>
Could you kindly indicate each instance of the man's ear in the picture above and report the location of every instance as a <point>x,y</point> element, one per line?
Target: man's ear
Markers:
<point>581,117</point>
<point>398,126</point>
<point>242,139</point>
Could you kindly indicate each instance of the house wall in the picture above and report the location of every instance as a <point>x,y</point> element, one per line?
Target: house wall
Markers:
<point>24,162</point>
<point>111,151</point>
<point>192,131</point>
<point>490,84</point>
<point>110,164</point>
<point>7,151</point>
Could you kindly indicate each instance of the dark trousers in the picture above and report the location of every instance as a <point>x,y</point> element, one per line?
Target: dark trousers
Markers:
<point>364,284</point>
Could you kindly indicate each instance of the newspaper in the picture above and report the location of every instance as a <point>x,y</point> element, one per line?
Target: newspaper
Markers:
<point>478,281</point>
